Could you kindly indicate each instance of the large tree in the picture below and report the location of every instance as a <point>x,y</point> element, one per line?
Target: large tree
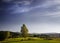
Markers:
<point>24,31</point>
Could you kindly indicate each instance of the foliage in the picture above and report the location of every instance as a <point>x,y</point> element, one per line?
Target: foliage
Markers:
<point>4,35</point>
<point>14,35</point>
<point>24,31</point>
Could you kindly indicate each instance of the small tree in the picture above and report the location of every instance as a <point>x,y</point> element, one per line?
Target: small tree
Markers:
<point>24,31</point>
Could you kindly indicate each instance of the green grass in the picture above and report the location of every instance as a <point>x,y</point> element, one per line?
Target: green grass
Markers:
<point>43,41</point>
<point>33,40</point>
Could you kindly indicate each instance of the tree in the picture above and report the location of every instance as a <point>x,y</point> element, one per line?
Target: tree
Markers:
<point>47,37</point>
<point>4,35</point>
<point>24,31</point>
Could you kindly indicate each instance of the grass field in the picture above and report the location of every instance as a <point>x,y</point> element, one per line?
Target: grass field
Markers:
<point>42,41</point>
<point>18,40</point>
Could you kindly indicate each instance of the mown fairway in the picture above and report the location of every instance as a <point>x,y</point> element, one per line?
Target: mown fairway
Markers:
<point>18,40</point>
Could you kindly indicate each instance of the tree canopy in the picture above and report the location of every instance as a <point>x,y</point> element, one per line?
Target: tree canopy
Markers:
<point>24,31</point>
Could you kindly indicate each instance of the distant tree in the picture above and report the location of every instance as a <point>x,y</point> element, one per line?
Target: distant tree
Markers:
<point>47,37</point>
<point>4,35</point>
<point>14,35</point>
<point>24,31</point>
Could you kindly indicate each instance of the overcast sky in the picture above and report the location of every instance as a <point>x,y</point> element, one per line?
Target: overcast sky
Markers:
<point>40,16</point>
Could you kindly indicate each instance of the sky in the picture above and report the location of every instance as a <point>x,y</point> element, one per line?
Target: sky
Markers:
<point>40,16</point>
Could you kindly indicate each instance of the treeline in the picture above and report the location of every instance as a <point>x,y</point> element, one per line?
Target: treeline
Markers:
<point>7,34</point>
